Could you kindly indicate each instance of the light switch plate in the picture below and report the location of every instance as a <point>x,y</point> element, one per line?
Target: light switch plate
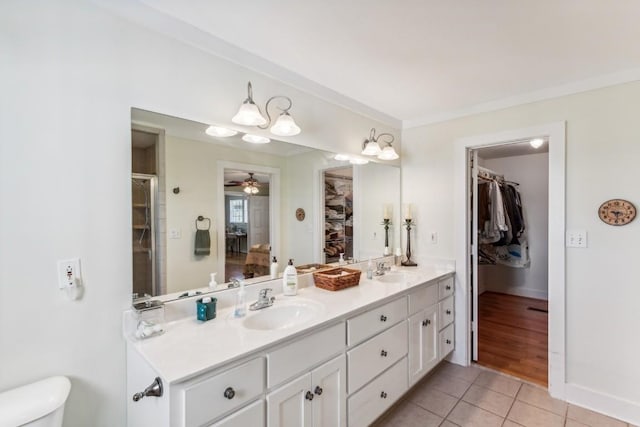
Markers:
<point>69,272</point>
<point>576,239</point>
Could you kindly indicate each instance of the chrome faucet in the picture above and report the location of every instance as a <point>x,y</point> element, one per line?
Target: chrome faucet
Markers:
<point>235,283</point>
<point>264,300</point>
<point>381,268</point>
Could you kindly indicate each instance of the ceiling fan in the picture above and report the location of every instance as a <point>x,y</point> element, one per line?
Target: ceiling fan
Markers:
<point>251,185</point>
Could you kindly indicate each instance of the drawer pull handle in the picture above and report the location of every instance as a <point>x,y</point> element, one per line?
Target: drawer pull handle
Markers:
<point>383,318</point>
<point>318,390</point>
<point>383,395</point>
<point>448,287</point>
<point>426,322</point>
<point>448,341</point>
<point>229,393</point>
<point>448,311</point>
<point>308,396</point>
<point>383,353</point>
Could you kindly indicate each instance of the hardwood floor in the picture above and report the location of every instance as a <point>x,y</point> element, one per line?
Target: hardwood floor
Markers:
<point>234,265</point>
<point>512,335</point>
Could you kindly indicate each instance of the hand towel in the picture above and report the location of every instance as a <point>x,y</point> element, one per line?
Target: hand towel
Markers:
<point>203,243</point>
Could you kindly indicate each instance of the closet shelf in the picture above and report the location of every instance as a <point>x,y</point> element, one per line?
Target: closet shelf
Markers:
<point>140,227</point>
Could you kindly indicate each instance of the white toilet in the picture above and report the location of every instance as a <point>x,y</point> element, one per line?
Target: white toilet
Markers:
<point>40,404</point>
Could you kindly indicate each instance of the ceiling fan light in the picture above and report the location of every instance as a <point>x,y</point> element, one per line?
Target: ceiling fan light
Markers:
<point>219,131</point>
<point>249,115</point>
<point>285,126</point>
<point>536,142</point>
<point>255,139</point>
<point>388,153</point>
<point>371,148</point>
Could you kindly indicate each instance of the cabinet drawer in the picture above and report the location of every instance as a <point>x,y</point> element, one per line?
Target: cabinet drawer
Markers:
<point>375,398</point>
<point>375,320</point>
<point>445,287</point>
<point>447,342</point>
<point>252,415</point>
<point>303,353</point>
<point>445,312</point>
<point>206,400</point>
<point>423,298</point>
<point>374,356</point>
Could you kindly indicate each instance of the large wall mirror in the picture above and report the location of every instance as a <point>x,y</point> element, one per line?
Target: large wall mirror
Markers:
<point>204,205</point>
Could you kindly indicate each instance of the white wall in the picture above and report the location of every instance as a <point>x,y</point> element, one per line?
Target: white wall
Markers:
<point>70,74</point>
<point>601,281</point>
<point>531,172</point>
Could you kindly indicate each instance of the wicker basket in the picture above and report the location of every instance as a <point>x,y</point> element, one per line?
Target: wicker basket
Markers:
<point>310,268</point>
<point>337,278</point>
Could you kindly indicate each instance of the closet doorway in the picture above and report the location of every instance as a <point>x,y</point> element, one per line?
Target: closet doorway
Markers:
<point>509,234</point>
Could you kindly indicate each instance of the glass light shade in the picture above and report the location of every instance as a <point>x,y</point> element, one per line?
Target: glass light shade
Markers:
<point>249,115</point>
<point>341,157</point>
<point>371,148</point>
<point>219,131</point>
<point>358,161</point>
<point>255,139</point>
<point>251,190</point>
<point>537,142</point>
<point>388,153</point>
<point>285,126</point>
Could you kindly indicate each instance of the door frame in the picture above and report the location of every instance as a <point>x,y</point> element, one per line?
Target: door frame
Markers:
<point>556,136</point>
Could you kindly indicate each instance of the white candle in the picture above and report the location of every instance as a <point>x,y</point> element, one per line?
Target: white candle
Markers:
<point>385,212</point>
<point>407,211</point>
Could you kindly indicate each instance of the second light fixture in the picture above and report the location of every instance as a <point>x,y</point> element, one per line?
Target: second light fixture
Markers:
<point>370,146</point>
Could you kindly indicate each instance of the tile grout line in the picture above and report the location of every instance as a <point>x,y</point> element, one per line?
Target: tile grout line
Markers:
<point>515,398</point>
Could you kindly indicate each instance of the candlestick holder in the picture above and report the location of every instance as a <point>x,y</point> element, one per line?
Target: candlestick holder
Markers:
<point>386,222</point>
<point>408,223</point>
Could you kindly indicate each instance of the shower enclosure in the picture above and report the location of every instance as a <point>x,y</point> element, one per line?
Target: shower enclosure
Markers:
<point>143,202</point>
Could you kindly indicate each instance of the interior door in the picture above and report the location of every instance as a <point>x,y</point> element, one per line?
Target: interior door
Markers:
<point>258,220</point>
<point>473,240</point>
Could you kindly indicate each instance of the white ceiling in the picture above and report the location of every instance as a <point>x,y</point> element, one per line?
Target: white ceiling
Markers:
<point>419,60</point>
<point>516,148</point>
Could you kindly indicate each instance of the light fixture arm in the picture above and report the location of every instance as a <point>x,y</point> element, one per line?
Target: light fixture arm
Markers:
<point>373,138</point>
<point>284,110</point>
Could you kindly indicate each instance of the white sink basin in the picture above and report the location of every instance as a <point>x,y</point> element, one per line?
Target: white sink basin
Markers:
<point>284,315</point>
<point>394,277</point>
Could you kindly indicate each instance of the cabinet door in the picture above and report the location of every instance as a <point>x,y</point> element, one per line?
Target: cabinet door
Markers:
<point>328,383</point>
<point>423,343</point>
<point>290,405</point>
<point>252,415</point>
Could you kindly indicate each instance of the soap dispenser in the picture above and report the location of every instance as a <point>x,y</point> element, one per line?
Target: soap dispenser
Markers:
<point>274,268</point>
<point>290,280</point>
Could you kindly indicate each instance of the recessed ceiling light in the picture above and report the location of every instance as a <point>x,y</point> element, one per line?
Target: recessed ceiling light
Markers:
<point>219,131</point>
<point>341,157</point>
<point>358,161</point>
<point>536,142</point>
<point>255,139</point>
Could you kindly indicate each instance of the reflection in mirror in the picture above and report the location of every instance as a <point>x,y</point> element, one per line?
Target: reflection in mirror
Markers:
<point>193,216</point>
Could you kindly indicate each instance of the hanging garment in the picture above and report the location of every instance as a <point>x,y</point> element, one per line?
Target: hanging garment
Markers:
<point>493,228</point>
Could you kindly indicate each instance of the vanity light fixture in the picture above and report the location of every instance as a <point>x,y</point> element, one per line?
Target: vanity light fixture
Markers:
<point>341,157</point>
<point>536,142</point>
<point>251,185</point>
<point>255,139</point>
<point>358,161</point>
<point>219,131</point>
<point>249,114</point>
<point>371,147</point>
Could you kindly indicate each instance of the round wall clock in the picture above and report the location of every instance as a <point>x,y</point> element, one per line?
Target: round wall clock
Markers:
<point>617,212</point>
<point>300,214</point>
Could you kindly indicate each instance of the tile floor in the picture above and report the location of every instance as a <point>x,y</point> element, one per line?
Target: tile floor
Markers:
<point>478,397</point>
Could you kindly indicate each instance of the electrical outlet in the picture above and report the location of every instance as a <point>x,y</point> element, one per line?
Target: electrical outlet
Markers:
<point>175,233</point>
<point>434,237</point>
<point>68,273</point>
<point>576,239</point>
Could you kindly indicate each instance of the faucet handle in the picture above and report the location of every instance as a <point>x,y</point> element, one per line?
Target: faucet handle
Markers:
<point>265,292</point>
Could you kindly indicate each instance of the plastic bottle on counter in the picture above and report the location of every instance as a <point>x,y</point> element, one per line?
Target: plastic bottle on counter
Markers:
<point>370,269</point>
<point>274,268</point>
<point>290,280</point>
<point>241,302</point>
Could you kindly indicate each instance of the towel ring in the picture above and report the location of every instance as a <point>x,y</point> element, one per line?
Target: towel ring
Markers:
<point>201,218</point>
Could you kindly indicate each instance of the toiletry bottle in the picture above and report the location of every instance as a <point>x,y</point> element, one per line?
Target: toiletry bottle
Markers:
<point>290,280</point>
<point>370,269</point>
<point>398,257</point>
<point>241,302</point>
<point>341,260</point>
<point>213,283</point>
<point>274,268</point>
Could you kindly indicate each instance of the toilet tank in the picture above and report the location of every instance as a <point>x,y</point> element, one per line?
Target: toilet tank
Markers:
<point>36,404</point>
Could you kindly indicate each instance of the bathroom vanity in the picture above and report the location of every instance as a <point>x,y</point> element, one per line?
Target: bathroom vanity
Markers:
<point>316,359</point>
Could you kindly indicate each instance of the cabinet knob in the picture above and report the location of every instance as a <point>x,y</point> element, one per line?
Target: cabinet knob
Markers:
<point>383,395</point>
<point>383,318</point>
<point>229,393</point>
<point>448,341</point>
<point>318,390</point>
<point>383,353</point>
<point>448,287</point>
<point>448,311</point>
<point>308,396</point>
<point>426,322</point>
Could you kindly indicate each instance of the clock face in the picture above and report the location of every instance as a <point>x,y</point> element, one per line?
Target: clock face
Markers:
<point>617,212</point>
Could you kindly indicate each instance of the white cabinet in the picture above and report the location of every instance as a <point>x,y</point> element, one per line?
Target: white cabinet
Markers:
<point>252,415</point>
<point>423,343</point>
<point>314,399</point>
<point>369,323</point>
<point>446,342</point>
<point>445,312</point>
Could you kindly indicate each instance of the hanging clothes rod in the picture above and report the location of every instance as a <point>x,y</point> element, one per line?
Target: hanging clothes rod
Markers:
<point>488,174</point>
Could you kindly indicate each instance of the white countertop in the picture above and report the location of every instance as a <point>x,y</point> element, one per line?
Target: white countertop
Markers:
<point>190,347</point>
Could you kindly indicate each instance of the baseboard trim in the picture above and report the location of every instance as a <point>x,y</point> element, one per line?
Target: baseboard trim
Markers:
<point>603,403</point>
